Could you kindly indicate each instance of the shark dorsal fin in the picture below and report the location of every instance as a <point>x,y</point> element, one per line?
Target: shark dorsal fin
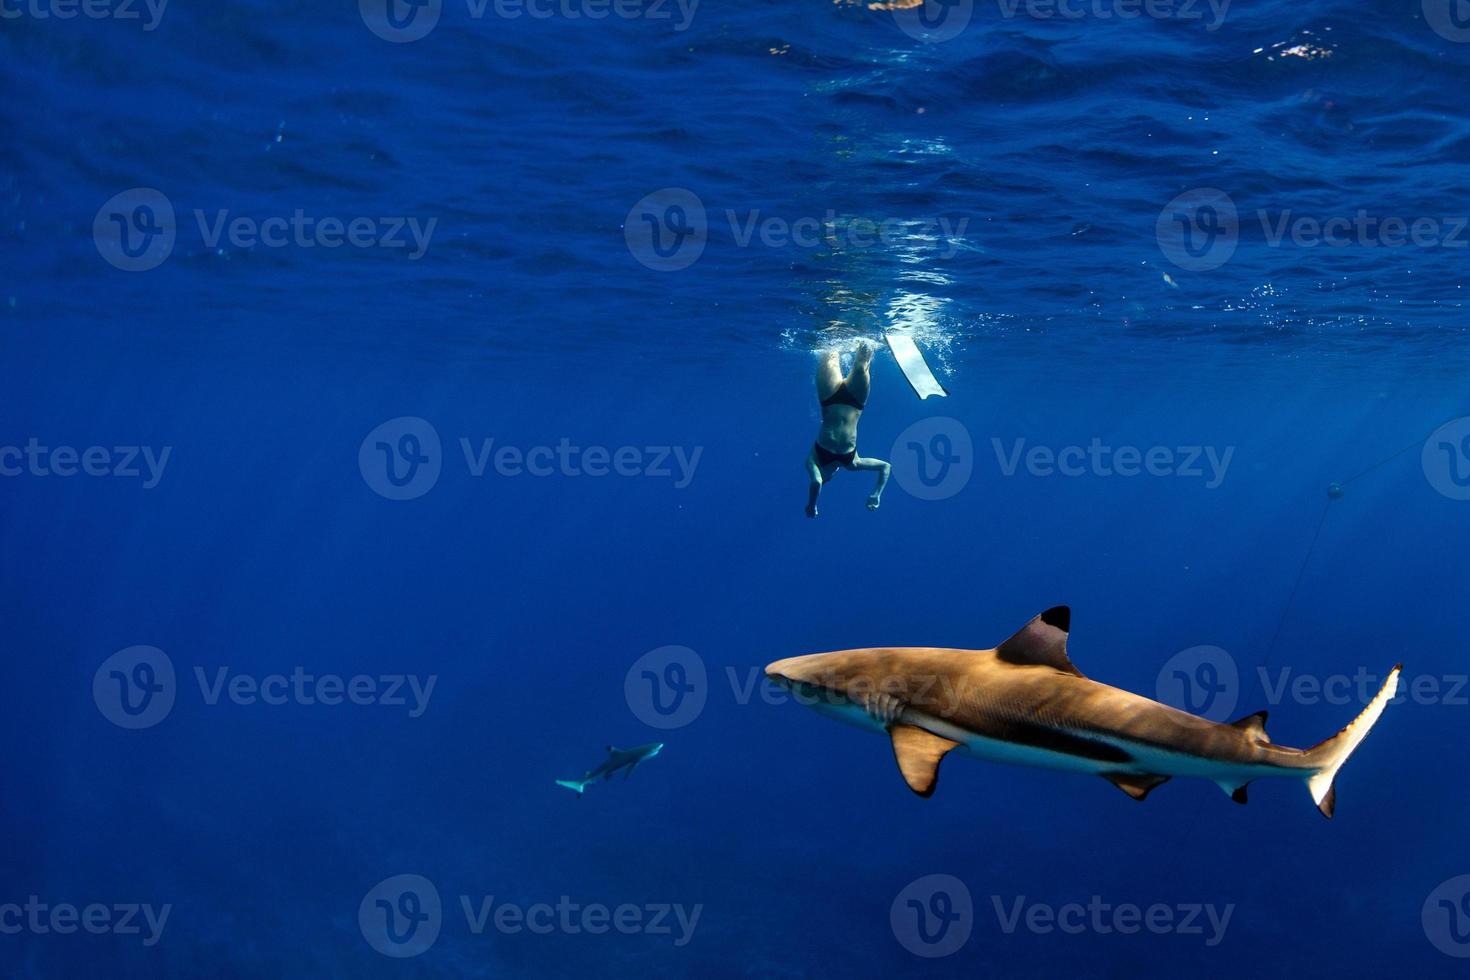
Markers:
<point>1254,724</point>
<point>919,753</point>
<point>1043,641</point>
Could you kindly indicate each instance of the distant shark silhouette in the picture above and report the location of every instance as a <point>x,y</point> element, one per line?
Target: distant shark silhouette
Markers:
<point>626,759</point>
<point>1024,703</point>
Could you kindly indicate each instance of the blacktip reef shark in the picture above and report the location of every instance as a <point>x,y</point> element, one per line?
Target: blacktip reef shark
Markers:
<point>625,759</point>
<point>1024,703</point>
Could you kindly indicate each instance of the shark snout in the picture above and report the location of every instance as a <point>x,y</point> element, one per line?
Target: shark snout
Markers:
<point>788,671</point>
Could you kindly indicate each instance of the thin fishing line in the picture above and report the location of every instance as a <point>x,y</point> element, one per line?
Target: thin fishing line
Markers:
<point>1300,572</point>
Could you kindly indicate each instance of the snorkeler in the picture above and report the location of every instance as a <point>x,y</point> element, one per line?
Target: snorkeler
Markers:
<point>842,404</point>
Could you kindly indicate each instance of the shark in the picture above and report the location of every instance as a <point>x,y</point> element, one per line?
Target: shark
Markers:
<point>624,759</point>
<point>1025,703</point>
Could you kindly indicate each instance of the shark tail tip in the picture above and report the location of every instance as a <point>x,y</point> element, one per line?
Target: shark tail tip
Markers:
<point>1330,754</point>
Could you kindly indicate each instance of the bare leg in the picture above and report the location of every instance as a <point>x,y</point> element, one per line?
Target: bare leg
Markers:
<point>860,379</point>
<point>829,375</point>
<point>814,487</point>
<point>882,469</point>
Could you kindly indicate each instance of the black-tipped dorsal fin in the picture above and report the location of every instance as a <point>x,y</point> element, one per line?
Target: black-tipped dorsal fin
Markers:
<point>1254,724</point>
<point>1135,785</point>
<point>1043,641</point>
<point>919,753</point>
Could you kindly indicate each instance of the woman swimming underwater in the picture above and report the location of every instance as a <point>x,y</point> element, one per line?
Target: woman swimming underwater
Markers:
<point>842,402</point>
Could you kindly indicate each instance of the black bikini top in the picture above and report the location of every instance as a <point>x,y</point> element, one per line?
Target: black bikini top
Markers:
<point>842,396</point>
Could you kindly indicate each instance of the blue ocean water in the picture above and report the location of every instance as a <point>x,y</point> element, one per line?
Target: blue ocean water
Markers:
<point>403,403</point>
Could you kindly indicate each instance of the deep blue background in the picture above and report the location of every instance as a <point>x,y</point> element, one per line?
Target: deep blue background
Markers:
<point>529,321</point>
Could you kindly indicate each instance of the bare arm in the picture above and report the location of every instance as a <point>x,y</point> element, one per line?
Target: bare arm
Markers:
<point>882,469</point>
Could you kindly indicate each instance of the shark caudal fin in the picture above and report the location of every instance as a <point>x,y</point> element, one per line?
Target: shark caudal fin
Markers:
<point>575,785</point>
<point>1328,756</point>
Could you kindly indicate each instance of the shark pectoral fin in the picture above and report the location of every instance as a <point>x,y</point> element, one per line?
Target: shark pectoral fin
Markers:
<point>919,753</point>
<point>1254,724</point>
<point>1136,785</point>
<point>1043,641</point>
<point>1236,791</point>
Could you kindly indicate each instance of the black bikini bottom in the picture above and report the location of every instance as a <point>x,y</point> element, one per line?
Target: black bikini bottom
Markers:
<point>825,457</point>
